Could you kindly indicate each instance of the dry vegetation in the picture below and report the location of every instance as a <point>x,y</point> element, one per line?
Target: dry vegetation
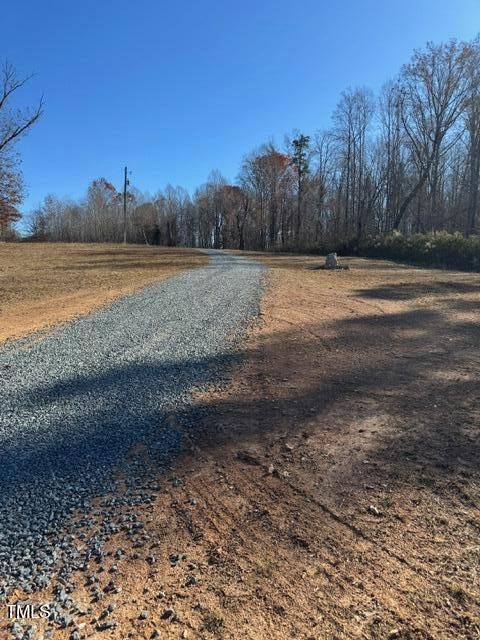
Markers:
<point>43,284</point>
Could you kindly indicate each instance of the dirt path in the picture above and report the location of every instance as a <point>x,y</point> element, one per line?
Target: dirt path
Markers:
<point>333,489</point>
<point>355,512</point>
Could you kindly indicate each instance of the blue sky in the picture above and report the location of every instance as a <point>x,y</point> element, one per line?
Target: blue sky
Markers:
<point>175,89</point>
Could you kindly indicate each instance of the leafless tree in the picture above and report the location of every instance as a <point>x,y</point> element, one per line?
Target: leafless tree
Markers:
<point>14,122</point>
<point>434,88</point>
<point>472,121</point>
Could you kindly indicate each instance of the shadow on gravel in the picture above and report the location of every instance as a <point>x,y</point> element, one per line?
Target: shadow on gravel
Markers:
<point>414,375</point>
<point>102,436</point>
<point>414,371</point>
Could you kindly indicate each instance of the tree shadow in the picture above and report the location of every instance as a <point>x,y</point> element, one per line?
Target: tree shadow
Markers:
<point>462,305</point>
<point>412,290</point>
<point>415,370</point>
<point>419,368</point>
<point>98,418</point>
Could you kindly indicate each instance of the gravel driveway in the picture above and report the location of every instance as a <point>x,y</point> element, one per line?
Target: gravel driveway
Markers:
<point>74,402</point>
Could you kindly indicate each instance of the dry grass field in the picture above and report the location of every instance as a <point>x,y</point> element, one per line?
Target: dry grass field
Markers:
<point>43,284</point>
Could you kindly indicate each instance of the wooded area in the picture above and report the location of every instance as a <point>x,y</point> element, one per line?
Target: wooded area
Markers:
<point>407,160</point>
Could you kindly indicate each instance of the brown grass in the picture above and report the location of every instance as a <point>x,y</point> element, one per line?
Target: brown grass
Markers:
<point>43,284</point>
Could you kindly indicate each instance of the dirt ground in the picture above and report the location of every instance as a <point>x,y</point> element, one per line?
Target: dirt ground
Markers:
<point>334,489</point>
<point>43,284</point>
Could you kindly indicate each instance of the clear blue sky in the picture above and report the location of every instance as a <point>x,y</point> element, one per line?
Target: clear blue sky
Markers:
<point>175,89</point>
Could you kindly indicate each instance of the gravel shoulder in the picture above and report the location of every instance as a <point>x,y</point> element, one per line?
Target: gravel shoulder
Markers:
<point>77,402</point>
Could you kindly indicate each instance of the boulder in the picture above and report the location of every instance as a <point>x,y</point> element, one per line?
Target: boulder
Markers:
<point>331,261</point>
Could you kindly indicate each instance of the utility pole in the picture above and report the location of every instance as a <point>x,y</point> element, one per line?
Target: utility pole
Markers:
<point>125,183</point>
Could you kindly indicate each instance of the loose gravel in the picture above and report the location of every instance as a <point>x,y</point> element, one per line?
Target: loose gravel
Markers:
<point>74,402</point>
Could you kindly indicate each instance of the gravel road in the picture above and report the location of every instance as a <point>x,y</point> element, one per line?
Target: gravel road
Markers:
<point>75,401</point>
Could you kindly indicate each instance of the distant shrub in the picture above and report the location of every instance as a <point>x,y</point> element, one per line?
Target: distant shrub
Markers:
<point>442,249</point>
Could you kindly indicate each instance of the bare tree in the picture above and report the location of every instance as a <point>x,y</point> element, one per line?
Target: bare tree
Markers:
<point>14,122</point>
<point>433,92</point>
<point>473,129</point>
<point>11,192</point>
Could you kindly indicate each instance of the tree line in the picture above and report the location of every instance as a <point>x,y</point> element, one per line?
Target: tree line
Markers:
<point>407,160</point>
